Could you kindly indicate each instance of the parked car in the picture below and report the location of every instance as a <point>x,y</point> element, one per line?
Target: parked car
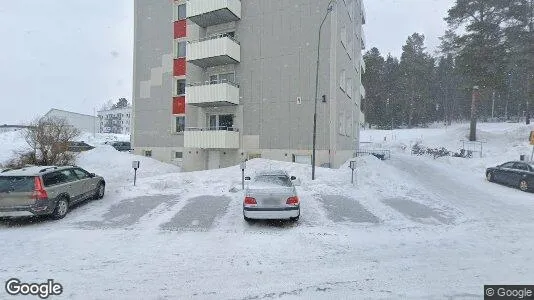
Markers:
<point>271,195</point>
<point>51,190</point>
<point>79,146</point>
<point>122,146</point>
<point>514,173</point>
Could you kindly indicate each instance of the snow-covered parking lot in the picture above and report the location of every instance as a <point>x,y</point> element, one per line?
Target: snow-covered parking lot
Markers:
<point>411,228</point>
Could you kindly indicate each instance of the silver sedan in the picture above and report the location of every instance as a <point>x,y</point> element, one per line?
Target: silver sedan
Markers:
<point>271,195</point>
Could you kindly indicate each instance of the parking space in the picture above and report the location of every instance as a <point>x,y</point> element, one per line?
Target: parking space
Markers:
<point>128,212</point>
<point>418,212</point>
<point>342,209</point>
<point>199,214</point>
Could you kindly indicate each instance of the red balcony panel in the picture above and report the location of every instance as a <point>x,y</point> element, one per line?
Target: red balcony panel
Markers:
<point>178,105</point>
<point>179,67</point>
<point>180,29</point>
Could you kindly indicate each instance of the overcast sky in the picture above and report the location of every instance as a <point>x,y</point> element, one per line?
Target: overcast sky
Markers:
<point>77,54</point>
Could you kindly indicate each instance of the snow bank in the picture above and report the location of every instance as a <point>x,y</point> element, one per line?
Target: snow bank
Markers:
<point>11,142</point>
<point>500,142</point>
<point>116,166</point>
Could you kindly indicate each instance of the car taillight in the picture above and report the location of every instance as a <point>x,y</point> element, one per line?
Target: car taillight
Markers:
<point>249,201</point>
<point>293,201</point>
<point>39,192</point>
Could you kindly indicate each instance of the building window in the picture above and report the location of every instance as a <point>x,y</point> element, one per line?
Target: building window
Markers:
<point>180,49</point>
<point>341,120</point>
<point>344,36</point>
<point>342,83</point>
<point>178,155</point>
<point>148,153</point>
<point>221,122</point>
<point>222,78</point>
<point>179,123</point>
<point>349,87</point>
<point>181,12</point>
<point>180,87</point>
<point>348,125</point>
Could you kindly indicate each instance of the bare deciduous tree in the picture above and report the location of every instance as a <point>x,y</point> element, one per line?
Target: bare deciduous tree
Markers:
<point>48,140</point>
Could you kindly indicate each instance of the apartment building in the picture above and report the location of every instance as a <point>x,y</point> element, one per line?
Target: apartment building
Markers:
<point>115,120</point>
<point>220,81</point>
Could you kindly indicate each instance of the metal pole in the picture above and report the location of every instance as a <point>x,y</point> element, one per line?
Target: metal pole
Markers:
<point>352,179</point>
<point>473,127</point>
<point>242,179</point>
<point>328,10</point>
<point>493,105</point>
<point>135,176</point>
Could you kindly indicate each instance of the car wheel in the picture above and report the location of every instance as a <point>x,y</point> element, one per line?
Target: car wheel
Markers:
<point>62,208</point>
<point>100,191</point>
<point>489,177</point>
<point>249,220</point>
<point>523,185</point>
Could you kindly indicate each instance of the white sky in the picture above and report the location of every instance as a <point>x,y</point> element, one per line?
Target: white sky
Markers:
<point>77,54</point>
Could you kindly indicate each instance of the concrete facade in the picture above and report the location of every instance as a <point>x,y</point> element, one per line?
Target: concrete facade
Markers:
<point>263,51</point>
<point>84,123</point>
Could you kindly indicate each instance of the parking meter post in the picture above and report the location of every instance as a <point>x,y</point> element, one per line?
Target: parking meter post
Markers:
<point>135,166</point>
<point>243,167</point>
<point>352,166</point>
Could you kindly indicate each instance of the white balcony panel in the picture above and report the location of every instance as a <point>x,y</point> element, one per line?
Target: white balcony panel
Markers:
<point>213,12</point>
<point>212,139</point>
<point>364,67</point>
<point>220,94</point>
<point>214,52</point>
<point>362,91</point>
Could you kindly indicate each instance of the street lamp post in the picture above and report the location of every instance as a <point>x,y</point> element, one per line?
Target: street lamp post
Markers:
<point>328,10</point>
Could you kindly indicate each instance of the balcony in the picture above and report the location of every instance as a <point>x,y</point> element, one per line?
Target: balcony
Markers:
<point>363,40</point>
<point>362,91</point>
<point>211,138</point>
<point>213,12</point>
<point>363,65</point>
<point>214,51</point>
<point>218,94</point>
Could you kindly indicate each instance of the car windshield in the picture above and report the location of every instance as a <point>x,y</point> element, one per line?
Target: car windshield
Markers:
<point>15,184</point>
<point>395,119</point>
<point>272,180</point>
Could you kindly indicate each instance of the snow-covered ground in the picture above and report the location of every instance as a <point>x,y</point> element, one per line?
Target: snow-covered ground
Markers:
<point>410,228</point>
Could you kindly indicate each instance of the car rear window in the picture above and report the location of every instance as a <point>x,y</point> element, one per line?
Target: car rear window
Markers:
<point>9,184</point>
<point>273,180</point>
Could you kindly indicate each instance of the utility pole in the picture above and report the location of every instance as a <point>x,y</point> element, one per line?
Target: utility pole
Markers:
<point>531,58</point>
<point>493,104</point>
<point>473,127</point>
<point>314,146</point>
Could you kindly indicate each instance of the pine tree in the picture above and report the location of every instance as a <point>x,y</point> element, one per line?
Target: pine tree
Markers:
<point>372,105</point>
<point>416,68</point>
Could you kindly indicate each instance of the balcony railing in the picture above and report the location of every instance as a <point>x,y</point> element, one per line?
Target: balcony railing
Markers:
<point>214,51</point>
<point>211,137</point>
<point>213,12</point>
<point>213,94</point>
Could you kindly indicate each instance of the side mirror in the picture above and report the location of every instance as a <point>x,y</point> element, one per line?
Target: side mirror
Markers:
<point>247,178</point>
<point>293,178</point>
<point>92,175</point>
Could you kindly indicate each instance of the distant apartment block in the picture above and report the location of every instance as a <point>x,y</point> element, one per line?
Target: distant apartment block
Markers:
<point>220,81</point>
<point>115,120</point>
